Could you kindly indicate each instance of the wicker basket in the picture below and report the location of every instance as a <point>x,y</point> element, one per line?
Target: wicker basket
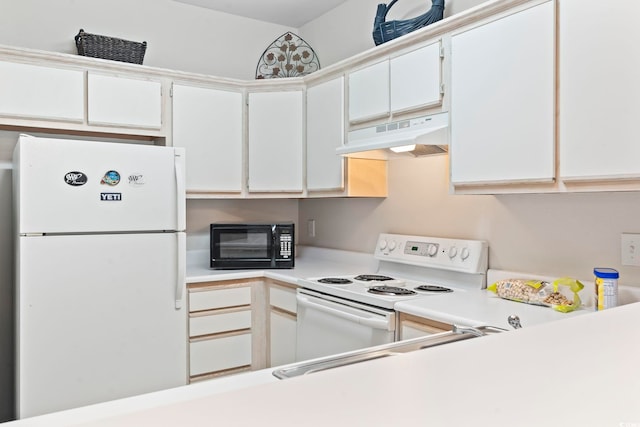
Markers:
<point>112,48</point>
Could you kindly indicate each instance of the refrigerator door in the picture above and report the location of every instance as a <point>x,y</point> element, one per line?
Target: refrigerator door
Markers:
<point>97,319</point>
<point>70,186</point>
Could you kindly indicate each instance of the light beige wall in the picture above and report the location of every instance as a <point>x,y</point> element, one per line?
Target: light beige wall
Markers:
<point>201,213</point>
<point>346,30</point>
<point>179,36</point>
<point>554,234</point>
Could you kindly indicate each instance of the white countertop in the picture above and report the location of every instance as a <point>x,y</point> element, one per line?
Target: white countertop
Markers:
<point>310,262</point>
<point>480,307</point>
<point>580,372</point>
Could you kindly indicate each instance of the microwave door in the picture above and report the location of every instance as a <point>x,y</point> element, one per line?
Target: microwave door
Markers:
<point>243,244</point>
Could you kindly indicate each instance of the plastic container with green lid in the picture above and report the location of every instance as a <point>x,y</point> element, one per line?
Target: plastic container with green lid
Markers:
<point>606,288</point>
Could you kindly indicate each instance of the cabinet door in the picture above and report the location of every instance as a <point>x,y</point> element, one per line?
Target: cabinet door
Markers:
<point>416,79</point>
<point>325,133</point>
<point>599,89</point>
<point>118,101</point>
<point>283,323</point>
<point>369,93</point>
<point>208,123</point>
<point>41,92</point>
<point>283,338</point>
<point>275,141</point>
<point>502,100</point>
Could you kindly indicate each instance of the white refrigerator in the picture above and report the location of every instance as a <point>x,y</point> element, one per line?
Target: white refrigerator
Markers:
<point>100,272</point>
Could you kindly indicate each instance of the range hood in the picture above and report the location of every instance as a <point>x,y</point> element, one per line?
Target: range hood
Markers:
<point>421,136</point>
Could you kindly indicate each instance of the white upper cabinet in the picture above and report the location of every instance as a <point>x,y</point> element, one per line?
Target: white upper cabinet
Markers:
<point>31,91</point>
<point>407,82</point>
<point>416,79</point>
<point>208,123</point>
<point>599,89</point>
<point>325,133</point>
<point>503,100</point>
<point>275,141</point>
<point>369,93</point>
<point>127,102</point>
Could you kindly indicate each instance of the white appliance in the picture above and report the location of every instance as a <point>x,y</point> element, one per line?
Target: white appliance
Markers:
<point>420,136</point>
<point>100,272</point>
<point>337,314</point>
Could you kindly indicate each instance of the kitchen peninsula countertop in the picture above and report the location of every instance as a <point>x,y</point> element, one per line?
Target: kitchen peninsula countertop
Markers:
<point>582,371</point>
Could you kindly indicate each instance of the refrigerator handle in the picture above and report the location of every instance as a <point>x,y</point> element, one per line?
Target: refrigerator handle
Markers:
<point>182,268</point>
<point>180,188</point>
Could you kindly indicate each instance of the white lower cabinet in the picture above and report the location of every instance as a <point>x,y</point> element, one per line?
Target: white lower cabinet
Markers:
<point>282,318</point>
<point>283,338</point>
<point>240,325</point>
<point>220,354</point>
<point>413,326</point>
<point>220,328</point>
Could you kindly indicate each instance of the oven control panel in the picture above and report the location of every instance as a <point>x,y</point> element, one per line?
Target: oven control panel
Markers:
<point>469,256</point>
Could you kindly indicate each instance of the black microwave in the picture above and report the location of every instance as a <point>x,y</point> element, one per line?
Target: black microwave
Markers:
<point>252,245</point>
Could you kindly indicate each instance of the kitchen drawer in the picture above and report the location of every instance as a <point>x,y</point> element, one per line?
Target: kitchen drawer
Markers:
<point>219,354</point>
<point>284,298</point>
<point>219,298</point>
<point>215,323</point>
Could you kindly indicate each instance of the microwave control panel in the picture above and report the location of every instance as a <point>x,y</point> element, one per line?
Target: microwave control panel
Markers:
<point>286,242</point>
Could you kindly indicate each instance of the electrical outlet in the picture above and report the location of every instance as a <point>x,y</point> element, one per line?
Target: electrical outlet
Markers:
<point>311,228</point>
<point>630,249</point>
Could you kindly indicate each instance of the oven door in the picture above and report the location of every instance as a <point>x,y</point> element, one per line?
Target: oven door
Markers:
<point>241,246</point>
<point>328,325</point>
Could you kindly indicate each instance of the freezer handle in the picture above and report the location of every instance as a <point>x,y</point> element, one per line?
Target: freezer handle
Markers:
<point>181,216</point>
<point>182,268</point>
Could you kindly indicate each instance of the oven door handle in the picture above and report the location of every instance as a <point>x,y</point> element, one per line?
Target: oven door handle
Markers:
<point>376,322</point>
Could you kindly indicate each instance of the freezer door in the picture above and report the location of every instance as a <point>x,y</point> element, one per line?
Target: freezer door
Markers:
<point>69,186</point>
<point>97,319</point>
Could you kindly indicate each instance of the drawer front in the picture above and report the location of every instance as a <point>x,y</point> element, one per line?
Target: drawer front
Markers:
<point>219,354</point>
<point>283,298</point>
<point>215,323</point>
<point>220,298</point>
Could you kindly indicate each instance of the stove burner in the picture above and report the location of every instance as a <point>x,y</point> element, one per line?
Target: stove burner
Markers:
<point>373,278</point>
<point>432,288</point>
<point>335,281</point>
<point>391,290</point>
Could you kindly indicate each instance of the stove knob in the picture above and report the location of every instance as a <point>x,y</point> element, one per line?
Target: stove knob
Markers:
<point>453,251</point>
<point>432,250</point>
<point>464,254</point>
<point>392,245</point>
<point>382,244</point>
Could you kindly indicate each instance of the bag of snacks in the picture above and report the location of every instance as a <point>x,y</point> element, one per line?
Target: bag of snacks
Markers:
<point>561,295</point>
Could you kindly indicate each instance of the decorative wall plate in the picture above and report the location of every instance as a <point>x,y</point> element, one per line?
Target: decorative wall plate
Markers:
<point>287,56</point>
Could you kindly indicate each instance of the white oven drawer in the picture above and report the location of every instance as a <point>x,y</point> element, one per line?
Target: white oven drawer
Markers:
<point>219,298</point>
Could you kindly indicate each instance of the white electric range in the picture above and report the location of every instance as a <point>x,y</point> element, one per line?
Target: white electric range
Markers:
<point>348,312</point>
